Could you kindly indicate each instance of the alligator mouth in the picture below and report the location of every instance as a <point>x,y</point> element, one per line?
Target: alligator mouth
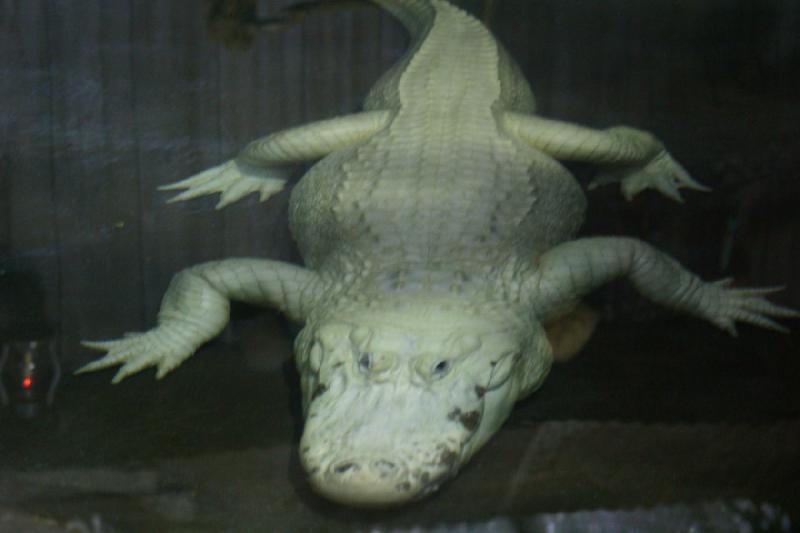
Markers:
<point>364,481</point>
<point>381,445</point>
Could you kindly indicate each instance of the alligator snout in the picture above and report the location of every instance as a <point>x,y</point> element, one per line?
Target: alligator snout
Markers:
<point>390,416</point>
<point>365,481</point>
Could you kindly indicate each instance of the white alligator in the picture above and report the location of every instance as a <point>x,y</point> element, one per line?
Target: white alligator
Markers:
<point>437,232</point>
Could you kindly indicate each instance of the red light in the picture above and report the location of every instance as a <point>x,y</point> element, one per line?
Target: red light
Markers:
<point>27,382</point>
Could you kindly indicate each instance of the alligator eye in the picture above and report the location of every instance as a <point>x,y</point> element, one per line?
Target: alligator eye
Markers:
<point>365,362</point>
<point>440,368</point>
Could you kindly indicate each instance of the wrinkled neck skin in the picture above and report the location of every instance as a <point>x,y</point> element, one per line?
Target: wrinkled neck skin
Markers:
<point>400,391</point>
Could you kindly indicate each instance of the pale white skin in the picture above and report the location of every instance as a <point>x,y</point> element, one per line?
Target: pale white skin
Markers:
<point>445,379</point>
<point>442,200</point>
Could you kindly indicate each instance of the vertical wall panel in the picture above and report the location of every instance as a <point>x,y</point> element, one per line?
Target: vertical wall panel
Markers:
<point>368,58</point>
<point>96,178</point>
<point>25,153</point>
<point>327,59</point>
<point>8,69</point>
<point>176,95</point>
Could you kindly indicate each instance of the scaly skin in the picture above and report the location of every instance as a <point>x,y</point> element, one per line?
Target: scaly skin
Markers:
<point>436,231</point>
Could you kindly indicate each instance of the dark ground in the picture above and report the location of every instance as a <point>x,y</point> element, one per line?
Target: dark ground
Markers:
<point>650,414</point>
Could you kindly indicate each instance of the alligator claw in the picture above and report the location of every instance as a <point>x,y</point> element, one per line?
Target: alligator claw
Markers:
<point>662,173</point>
<point>724,306</point>
<point>138,351</point>
<point>232,179</point>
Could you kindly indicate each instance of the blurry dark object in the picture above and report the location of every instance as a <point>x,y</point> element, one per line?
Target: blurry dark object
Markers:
<point>29,368</point>
<point>487,13</point>
<point>233,23</point>
<point>22,314</point>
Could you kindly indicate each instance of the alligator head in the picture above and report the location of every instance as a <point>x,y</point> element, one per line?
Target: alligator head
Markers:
<point>398,396</point>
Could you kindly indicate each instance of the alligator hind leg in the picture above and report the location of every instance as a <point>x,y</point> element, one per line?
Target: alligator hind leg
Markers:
<point>257,168</point>
<point>195,309</point>
<point>636,158</point>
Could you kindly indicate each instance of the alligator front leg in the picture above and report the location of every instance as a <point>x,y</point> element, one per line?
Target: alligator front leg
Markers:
<point>258,167</point>
<point>195,309</point>
<point>637,159</point>
<point>573,269</point>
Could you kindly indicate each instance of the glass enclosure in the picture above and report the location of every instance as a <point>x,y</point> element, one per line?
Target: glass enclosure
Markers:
<point>661,422</point>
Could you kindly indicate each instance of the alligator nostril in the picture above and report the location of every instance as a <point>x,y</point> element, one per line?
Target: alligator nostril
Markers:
<point>365,362</point>
<point>342,468</point>
<point>385,467</point>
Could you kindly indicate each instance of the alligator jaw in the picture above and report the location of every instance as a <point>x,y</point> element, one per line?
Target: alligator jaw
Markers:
<point>377,482</point>
<point>381,445</point>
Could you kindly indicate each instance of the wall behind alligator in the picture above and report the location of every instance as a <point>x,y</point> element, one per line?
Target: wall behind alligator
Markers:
<point>102,101</point>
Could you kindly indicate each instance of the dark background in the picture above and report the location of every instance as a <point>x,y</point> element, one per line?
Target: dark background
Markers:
<point>102,101</point>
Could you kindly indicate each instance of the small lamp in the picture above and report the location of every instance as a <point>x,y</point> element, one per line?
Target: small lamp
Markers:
<point>29,367</point>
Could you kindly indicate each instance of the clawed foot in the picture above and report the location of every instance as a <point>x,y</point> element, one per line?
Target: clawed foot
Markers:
<point>662,173</point>
<point>725,305</point>
<point>233,179</point>
<point>137,351</point>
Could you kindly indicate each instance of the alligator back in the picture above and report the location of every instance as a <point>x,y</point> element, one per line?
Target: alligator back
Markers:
<point>441,183</point>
